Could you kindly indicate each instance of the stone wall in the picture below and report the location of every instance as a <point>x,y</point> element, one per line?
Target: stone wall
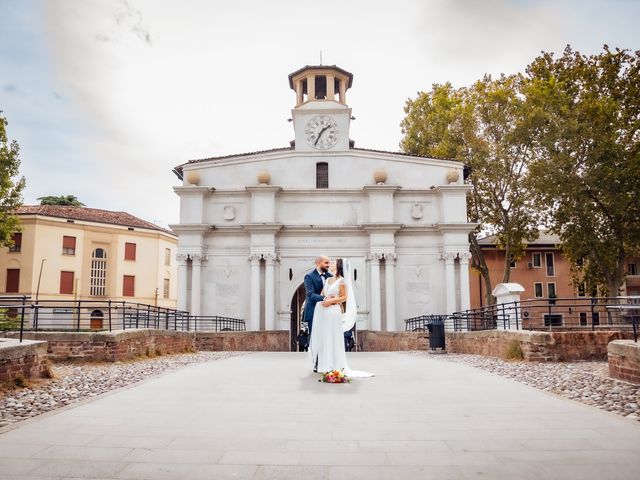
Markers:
<point>536,345</point>
<point>370,341</point>
<point>27,359</point>
<point>269,341</point>
<point>113,346</point>
<point>624,360</point>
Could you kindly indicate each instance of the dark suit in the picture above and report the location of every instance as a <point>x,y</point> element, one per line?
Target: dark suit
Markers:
<point>313,286</point>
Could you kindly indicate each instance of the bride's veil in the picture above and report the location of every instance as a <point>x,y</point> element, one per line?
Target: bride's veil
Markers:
<point>351,311</point>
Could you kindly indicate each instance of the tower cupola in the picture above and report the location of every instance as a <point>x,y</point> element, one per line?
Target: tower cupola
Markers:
<point>320,82</point>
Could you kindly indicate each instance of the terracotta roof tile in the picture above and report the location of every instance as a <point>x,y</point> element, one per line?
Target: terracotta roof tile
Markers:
<point>86,214</point>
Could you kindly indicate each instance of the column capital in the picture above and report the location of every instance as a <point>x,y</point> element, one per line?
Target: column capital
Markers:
<point>182,259</point>
<point>198,259</point>
<point>390,258</point>
<point>271,258</point>
<point>255,258</point>
<point>448,257</point>
<point>374,258</point>
<point>464,257</point>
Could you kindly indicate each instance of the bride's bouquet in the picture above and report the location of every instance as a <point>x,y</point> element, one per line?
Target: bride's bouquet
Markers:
<point>335,376</point>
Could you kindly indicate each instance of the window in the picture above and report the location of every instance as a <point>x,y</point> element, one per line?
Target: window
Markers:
<point>595,318</point>
<point>512,263</point>
<point>128,285</point>
<point>98,281</point>
<point>551,290</point>
<point>633,268</point>
<point>66,282</point>
<point>165,290</point>
<point>537,290</point>
<point>13,280</point>
<point>167,256</point>
<point>16,238</point>
<point>322,175</point>
<point>583,318</point>
<point>550,264</point>
<point>582,289</point>
<point>68,245</point>
<point>536,260</point>
<point>129,251</point>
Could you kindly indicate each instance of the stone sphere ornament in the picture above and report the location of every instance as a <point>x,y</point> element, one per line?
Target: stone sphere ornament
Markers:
<point>380,176</point>
<point>453,176</point>
<point>264,177</point>
<point>193,177</point>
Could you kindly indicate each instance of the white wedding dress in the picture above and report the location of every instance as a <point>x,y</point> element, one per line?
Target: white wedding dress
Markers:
<point>327,338</point>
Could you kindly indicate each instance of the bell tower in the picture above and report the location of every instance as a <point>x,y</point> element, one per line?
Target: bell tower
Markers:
<point>321,117</point>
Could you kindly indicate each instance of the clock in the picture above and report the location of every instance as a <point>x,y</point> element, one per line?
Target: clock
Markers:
<point>322,132</point>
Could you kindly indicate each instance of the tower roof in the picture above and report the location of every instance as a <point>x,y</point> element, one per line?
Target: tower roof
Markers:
<point>320,67</point>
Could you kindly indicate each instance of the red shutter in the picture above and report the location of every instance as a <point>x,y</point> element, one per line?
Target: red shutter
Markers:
<point>128,285</point>
<point>66,282</point>
<point>69,242</point>
<point>129,251</point>
<point>13,280</point>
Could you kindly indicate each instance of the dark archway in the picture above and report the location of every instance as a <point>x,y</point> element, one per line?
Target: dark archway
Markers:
<point>96,320</point>
<point>297,307</point>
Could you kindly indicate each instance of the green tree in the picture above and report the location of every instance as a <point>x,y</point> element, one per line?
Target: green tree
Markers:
<point>486,126</point>
<point>11,187</point>
<point>65,200</point>
<point>586,111</point>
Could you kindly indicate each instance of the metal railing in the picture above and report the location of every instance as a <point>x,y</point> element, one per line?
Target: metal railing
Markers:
<point>19,313</point>
<point>594,313</point>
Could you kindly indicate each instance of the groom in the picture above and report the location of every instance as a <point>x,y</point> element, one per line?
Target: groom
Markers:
<point>313,285</point>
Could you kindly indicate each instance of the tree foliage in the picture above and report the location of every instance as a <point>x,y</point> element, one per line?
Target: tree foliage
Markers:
<point>65,200</point>
<point>486,126</point>
<point>11,186</point>
<point>586,114</point>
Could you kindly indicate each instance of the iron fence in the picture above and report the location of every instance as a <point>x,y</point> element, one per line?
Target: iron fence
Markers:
<point>19,313</point>
<point>594,313</point>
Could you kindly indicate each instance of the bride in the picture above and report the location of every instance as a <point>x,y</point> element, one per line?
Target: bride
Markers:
<point>330,323</point>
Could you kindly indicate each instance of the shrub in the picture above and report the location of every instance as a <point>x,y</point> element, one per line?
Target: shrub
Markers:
<point>514,351</point>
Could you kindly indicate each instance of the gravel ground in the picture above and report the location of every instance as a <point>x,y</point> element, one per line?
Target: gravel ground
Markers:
<point>79,381</point>
<point>586,382</point>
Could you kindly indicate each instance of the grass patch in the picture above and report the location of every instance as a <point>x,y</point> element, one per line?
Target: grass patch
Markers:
<point>513,351</point>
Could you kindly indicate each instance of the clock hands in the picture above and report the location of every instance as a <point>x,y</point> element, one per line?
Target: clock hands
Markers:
<point>321,132</point>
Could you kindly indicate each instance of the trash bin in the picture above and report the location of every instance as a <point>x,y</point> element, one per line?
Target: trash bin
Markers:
<point>436,334</point>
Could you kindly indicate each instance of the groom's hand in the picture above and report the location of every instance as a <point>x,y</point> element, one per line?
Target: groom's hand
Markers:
<point>327,302</point>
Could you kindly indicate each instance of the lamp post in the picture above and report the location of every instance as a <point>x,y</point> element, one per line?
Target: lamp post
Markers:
<point>39,278</point>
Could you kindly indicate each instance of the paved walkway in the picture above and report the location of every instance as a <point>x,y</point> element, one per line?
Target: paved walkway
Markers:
<point>264,415</point>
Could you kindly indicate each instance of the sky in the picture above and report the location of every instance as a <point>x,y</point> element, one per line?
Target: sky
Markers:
<point>106,97</point>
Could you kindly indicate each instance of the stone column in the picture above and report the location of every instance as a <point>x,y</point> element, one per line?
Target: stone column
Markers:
<point>465,298</point>
<point>269,292</point>
<point>449,283</point>
<point>390,286</point>
<point>343,91</point>
<point>331,90</point>
<point>254,294</point>
<point>182,281</point>
<point>311,87</point>
<point>376,321</point>
<point>196,284</point>
<point>299,94</point>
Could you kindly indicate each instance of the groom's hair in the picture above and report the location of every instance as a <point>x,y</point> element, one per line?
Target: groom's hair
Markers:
<point>320,258</point>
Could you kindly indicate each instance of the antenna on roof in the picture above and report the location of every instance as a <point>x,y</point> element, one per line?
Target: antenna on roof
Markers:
<point>320,57</point>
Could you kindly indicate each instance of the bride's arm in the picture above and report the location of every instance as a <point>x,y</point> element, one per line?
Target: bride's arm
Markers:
<point>337,300</point>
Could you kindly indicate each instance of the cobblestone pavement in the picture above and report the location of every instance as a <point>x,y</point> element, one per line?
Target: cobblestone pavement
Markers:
<point>79,381</point>
<point>586,382</point>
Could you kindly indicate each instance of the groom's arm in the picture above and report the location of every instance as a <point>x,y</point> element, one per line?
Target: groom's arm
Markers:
<point>308,287</point>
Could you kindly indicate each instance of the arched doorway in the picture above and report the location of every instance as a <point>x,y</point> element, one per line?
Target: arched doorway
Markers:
<point>297,307</point>
<point>96,320</point>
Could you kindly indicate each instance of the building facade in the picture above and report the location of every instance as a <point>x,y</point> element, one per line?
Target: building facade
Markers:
<point>79,253</point>
<point>543,271</point>
<point>252,224</point>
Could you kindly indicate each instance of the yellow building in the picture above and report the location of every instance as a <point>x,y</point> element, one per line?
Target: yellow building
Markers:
<point>79,253</point>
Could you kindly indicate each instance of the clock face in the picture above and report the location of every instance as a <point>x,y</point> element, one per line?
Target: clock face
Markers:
<point>322,132</point>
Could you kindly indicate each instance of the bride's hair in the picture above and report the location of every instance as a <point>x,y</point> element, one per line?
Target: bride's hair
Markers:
<point>339,268</point>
